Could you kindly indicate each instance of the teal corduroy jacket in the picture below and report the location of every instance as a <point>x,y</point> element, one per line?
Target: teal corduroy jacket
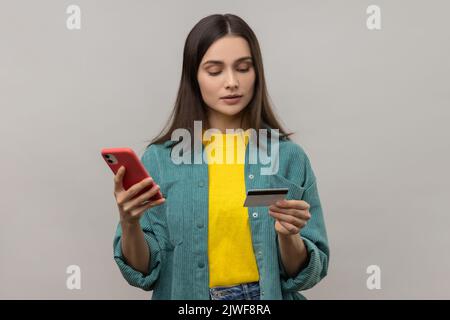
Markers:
<point>177,230</point>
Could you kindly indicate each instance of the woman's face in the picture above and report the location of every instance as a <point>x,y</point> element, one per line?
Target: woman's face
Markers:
<point>227,69</point>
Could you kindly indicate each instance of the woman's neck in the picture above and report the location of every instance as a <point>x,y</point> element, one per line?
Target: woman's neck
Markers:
<point>223,122</point>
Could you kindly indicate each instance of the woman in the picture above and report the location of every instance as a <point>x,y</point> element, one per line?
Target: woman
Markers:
<point>199,242</point>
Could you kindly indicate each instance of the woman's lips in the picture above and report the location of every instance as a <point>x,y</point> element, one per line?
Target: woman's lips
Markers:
<point>232,100</point>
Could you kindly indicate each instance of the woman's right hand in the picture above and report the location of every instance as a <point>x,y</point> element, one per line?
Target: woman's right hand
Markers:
<point>131,208</point>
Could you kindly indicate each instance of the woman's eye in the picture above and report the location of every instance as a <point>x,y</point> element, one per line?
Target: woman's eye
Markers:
<point>218,72</point>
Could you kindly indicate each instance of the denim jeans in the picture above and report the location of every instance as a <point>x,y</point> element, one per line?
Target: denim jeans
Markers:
<point>244,291</point>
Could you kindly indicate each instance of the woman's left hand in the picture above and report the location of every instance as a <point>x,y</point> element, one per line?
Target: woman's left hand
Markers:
<point>290,215</point>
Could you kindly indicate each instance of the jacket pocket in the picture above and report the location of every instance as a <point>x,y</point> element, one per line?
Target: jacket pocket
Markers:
<point>295,191</point>
<point>174,190</point>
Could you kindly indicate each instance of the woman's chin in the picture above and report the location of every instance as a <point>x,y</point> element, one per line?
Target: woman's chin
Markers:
<point>230,111</point>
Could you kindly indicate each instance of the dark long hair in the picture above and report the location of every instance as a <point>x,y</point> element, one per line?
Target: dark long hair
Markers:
<point>189,104</point>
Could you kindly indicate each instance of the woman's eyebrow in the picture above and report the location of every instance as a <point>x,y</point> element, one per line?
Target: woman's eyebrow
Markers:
<point>221,62</point>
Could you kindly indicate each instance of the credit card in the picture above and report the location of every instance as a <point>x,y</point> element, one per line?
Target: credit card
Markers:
<point>264,197</point>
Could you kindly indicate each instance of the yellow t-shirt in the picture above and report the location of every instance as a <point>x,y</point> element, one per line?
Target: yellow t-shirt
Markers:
<point>230,250</point>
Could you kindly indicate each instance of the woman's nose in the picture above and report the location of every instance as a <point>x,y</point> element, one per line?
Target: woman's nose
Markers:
<point>231,80</point>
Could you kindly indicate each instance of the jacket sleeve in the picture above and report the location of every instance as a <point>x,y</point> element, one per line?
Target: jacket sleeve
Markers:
<point>314,236</point>
<point>132,276</point>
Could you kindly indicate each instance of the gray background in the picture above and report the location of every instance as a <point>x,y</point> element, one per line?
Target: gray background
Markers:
<point>370,108</point>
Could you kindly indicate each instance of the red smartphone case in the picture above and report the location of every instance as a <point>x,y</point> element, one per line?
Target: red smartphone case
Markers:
<point>135,171</point>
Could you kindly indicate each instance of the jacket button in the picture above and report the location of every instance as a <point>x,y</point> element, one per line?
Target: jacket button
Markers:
<point>199,225</point>
<point>255,214</point>
<point>201,264</point>
<point>200,184</point>
<point>250,176</point>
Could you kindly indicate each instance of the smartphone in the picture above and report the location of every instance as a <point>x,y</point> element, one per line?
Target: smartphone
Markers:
<point>135,171</point>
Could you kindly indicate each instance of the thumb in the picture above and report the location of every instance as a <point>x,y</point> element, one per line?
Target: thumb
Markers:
<point>118,179</point>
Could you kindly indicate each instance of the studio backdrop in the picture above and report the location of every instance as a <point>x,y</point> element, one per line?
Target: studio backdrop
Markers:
<point>363,84</point>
